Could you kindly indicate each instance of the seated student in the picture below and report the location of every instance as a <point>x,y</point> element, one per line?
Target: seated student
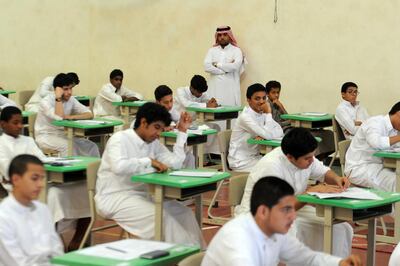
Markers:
<point>196,96</point>
<point>113,92</point>
<point>58,106</point>
<point>164,97</point>
<point>294,162</point>
<point>377,133</point>
<point>138,151</point>
<point>46,88</point>
<point>325,147</point>
<point>273,88</point>
<point>260,237</point>
<point>63,200</point>
<point>349,113</point>
<point>255,121</point>
<point>27,233</point>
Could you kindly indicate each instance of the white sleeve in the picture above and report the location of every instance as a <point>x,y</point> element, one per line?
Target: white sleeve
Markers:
<point>10,243</point>
<point>374,136</point>
<point>4,161</point>
<point>362,114</point>
<point>294,252</point>
<point>173,159</point>
<point>35,150</point>
<point>4,102</point>
<point>235,66</point>
<point>46,87</point>
<point>108,93</point>
<point>345,121</point>
<point>270,130</point>
<point>181,96</point>
<point>208,66</point>
<point>130,93</point>
<point>318,170</point>
<point>48,110</point>
<point>121,163</point>
<point>79,108</point>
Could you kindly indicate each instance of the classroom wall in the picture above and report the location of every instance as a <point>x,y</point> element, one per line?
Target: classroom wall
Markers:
<point>314,47</point>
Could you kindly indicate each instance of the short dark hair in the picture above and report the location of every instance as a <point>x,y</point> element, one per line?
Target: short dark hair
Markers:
<point>253,89</point>
<point>162,91</point>
<point>116,73</point>
<point>74,77</point>
<point>8,112</point>
<point>19,164</point>
<point>272,84</point>
<point>392,111</point>
<point>199,83</point>
<point>268,191</point>
<point>62,80</point>
<point>346,85</point>
<point>298,142</point>
<point>152,112</point>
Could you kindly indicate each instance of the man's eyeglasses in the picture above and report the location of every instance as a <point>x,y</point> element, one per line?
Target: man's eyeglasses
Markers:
<point>356,92</point>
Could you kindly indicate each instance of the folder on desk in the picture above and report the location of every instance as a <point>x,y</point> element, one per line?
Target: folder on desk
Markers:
<point>314,113</point>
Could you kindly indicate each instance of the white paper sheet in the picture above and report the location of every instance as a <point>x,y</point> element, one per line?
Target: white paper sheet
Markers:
<point>314,113</point>
<point>127,249</point>
<point>60,160</point>
<point>91,122</point>
<point>352,193</point>
<point>193,173</point>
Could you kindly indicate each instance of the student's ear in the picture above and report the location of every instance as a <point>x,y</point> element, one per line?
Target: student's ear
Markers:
<point>143,122</point>
<point>15,179</point>
<point>343,93</point>
<point>2,123</point>
<point>248,100</point>
<point>263,211</point>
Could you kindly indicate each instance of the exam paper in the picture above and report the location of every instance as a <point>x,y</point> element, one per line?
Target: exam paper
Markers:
<point>193,173</point>
<point>126,249</point>
<point>49,160</point>
<point>91,122</point>
<point>352,193</point>
<point>314,113</point>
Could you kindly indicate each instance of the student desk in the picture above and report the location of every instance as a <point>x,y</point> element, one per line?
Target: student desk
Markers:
<point>85,100</point>
<point>340,210</point>
<point>392,160</point>
<point>168,138</point>
<point>28,122</point>
<point>177,187</point>
<point>128,109</point>
<point>5,93</point>
<point>216,114</point>
<point>76,171</point>
<point>177,253</point>
<point>267,145</point>
<point>309,121</point>
<point>76,129</point>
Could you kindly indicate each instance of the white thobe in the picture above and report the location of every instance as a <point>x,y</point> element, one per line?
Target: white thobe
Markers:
<point>53,137</point>
<point>107,95</point>
<point>27,233</point>
<point>184,98</point>
<point>127,202</point>
<point>241,242</point>
<point>224,82</point>
<point>242,155</point>
<point>395,257</point>
<point>4,102</point>
<point>346,114</point>
<point>308,227</point>
<point>67,201</point>
<point>366,169</point>
<point>45,88</point>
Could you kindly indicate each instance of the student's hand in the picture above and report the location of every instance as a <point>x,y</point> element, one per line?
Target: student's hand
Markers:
<point>343,182</point>
<point>258,138</point>
<point>352,260</point>
<point>325,188</point>
<point>212,103</point>
<point>266,108</point>
<point>184,122</point>
<point>68,117</point>
<point>159,166</point>
<point>357,123</point>
<point>170,128</point>
<point>59,92</point>
<point>131,99</point>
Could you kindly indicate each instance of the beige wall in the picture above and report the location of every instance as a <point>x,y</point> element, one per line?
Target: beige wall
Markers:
<point>315,46</point>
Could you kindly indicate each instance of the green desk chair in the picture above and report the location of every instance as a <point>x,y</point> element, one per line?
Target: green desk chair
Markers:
<point>193,260</point>
<point>338,136</point>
